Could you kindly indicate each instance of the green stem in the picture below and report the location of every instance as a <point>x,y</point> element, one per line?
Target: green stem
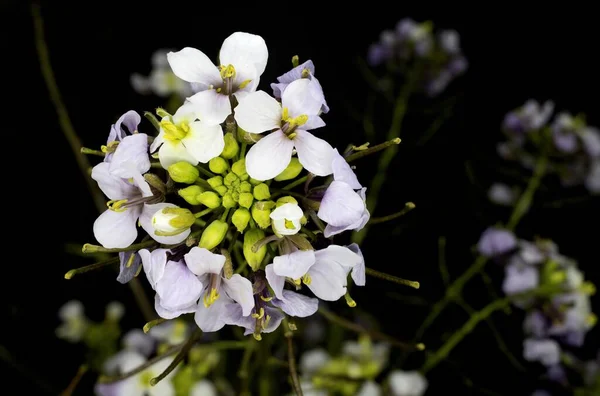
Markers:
<point>89,248</point>
<point>179,358</point>
<point>75,381</point>
<point>91,267</point>
<point>153,120</point>
<point>442,260</point>
<point>85,150</point>
<point>243,150</point>
<point>407,208</point>
<point>292,363</point>
<point>525,200</point>
<point>392,278</point>
<point>203,212</point>
<point>205,172</point>
<point>153,323</point>
<point>372,150</point>
<point>295,183</point>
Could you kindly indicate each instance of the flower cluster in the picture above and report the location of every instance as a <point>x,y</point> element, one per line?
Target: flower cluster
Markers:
<point>551,289</point>
<point>354,371</point>
<point>161,81</point>
<point>440,56</point>
<point>573,147</point>
<point>223,230</point>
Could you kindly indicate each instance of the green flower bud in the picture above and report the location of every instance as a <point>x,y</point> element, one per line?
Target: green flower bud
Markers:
<point>254,182</point>
<point>210,199</point>
<point>156,182</point>
<point>218,165</point>
<point>231,146</point>
<point>240,219</point>
<point>239,168</point>
<point>286,199</point>
<point>215,181</point>
<point>213,234</point>
<point>228,201</point>
<point>245,187</point>
<point>292,170</point>
<point>230,179</point>
<point>252,236</point>
<point>183,172</point>
<point>246,200</point>
<point>248,137</point>
<point>261,192</point>
<point>222,190</point>
<point>262,214</point>
<point>190,194</point>
<point>235,195</point>
<point>172,221</point>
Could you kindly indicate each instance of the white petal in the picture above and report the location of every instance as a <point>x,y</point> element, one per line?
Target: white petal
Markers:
<point>369,388</point>
<point>275,281</point>
<point>258,112</point>
<point>187,112</point>
<point>296,304</point>
<point>313,122</point>
<point>338,255</point>
<point>204,142</point>
<point>315,154</point>
<point>158,140</point>
<point>114,187</point>
<point>173,152</point>
<point>244,48</point>
<point>212,318</point>
<point>240,290</point>
<point>171,313</point>
<point>327,280</point>
<point>204,388</point>
<point>202,261</point>
<point>131,156</point>
<point>289,211</point>
<point>179,287</point>
<point>312,360</point>
<point>407,383</point>
<point>193,65</point>
<point>269,156</point>
<point>358,272</point>
<point>213,107</point>
<point>294,265</point>
<point>154,264</point>
<point>341,205</point>
<point>301,98</point>
<point>117,229</point>
<point>342,171</point>
<point>146,223</point>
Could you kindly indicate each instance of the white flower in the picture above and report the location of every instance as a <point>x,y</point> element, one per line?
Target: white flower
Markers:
<point>203,388</point>
<point>313,360</point>
<point>545,351</point>
<point>286,219</point>
<point>343,206</point>
<point>297,113</point>
<point>184,138</point>
<point>173,332</point>
<point>137,340</point>
<point>115,311</point>
<point>74,321</point>
<point>370,388</point>
<point>243,58</point>
<point>161,81</point>
<point>407,383</point>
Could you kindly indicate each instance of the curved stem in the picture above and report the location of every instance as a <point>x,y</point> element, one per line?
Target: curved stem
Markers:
<point>292,362</point>
<point>295,183</point>
<point>392,278</point>
<point>407,208</point>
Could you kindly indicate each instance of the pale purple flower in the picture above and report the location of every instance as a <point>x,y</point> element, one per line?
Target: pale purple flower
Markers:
<point>590,139</point>
<point>495,242</point>
<point>530,117</point>
<point>243,59</point>
<point>576,319</point>
<point>137,340</point>
<point>450,42</point>
<point>126,125</point>
<point>298,112</point>
<point>305,70</point>
<point>536,324</point>
<point>129,266</point>
<point>323,271</point>
<point>313,360</point>
<point>438,83</point>
<point>161,81</point>
<point>343,206</point>
<point>220,293</point>
<point>519,278</point>
<point>171,332</point>
<point>138,384</point>
<point>370,388</point>
<point>407,383</point>
<point>286,219</point>
<point>592,180</point>
<point>379,53</point>
<point>502,194</point>
<point>545,351</point>
<point>358,271</point>
<point>564,133</point>
<point>177,287</point>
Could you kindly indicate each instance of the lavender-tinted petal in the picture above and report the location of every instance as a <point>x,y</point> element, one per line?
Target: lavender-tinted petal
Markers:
<point>296,304</point>
<point>214,317</point>
<point>179,287</point>
<point>520,279</point>
<point>495,241</point>
<point>127,273</point>
<point>139,341</point>
<point>546,351</point>
<point>169,313</point>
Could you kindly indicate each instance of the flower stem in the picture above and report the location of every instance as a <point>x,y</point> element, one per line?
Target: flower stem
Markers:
<point>205,172</point>
<point>91,267</point>
<point>295,183</point>
<point>153,323</point>
<point>372,150</point>
<point>75,381</point>
<point>85,150</point>
<point>179,358</point>
<point>376,335</point>
<point>392,278</point>
<point>407,208</point>
<point>203,212</point>
<point>89,248</point>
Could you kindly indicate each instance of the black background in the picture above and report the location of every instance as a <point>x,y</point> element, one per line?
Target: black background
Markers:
<point>514,55</point>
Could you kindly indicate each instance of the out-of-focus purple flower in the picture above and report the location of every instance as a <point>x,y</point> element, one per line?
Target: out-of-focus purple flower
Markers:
<point>496,241</point>
<point>530,117</point>
<point>378,54</point>
<point>545,351</point>
<point>536,324</point>
<point>519,279</point>
<point>502,194</point>
<point>592,180</point>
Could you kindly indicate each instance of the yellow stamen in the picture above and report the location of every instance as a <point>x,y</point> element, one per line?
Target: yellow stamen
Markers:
<point>298,282</point>
<point>210,298</point>
<point>260,314</point>
<point>174,132</point>
<point>265,322</point>
<point>266,299</point>
<point>591,320</point>
<point>130,261</point>
<point>116,206</point>
<point>257,336</point>
<point>244,84</point>
<point>306,279</point>
<point>227,72</point>
<point>351,303</point>
<point>305,73</point>
<point>285,114</point>
<point>289,224</point>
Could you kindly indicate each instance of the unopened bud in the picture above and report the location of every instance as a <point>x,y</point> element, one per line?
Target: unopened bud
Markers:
<point>231,146</point>
<point>218,165</point>
<point>245,200</point>
<point>295,61</point>
<point>213,235</point>
<point>190,194</point>
<point>172,221</point>
<point>183,172</point>
<point>286,199</point>
<point>248,137</point>
<point>210,199</point>
<point>155,181</point>
<point>239,168</point>
<point>216,181</point>
<point>230,180</point>
<point>245,187</point>
<point>254,259</point>
<point>293,169</point>
<point>286,219</point>
<point>261,192</point>
<point>261,213</point>
<point>228,201</point>
<point>240,219</point>
<point>228,266</point>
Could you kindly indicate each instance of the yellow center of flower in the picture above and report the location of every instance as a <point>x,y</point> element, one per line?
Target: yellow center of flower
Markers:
<point>210,297</point>
<point>289,224</point>
<point>175,132</point>
<point>145,378</point>
<point>116,206</point>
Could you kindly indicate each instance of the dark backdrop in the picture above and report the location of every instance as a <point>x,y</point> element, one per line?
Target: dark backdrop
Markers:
<point>95,46</point>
